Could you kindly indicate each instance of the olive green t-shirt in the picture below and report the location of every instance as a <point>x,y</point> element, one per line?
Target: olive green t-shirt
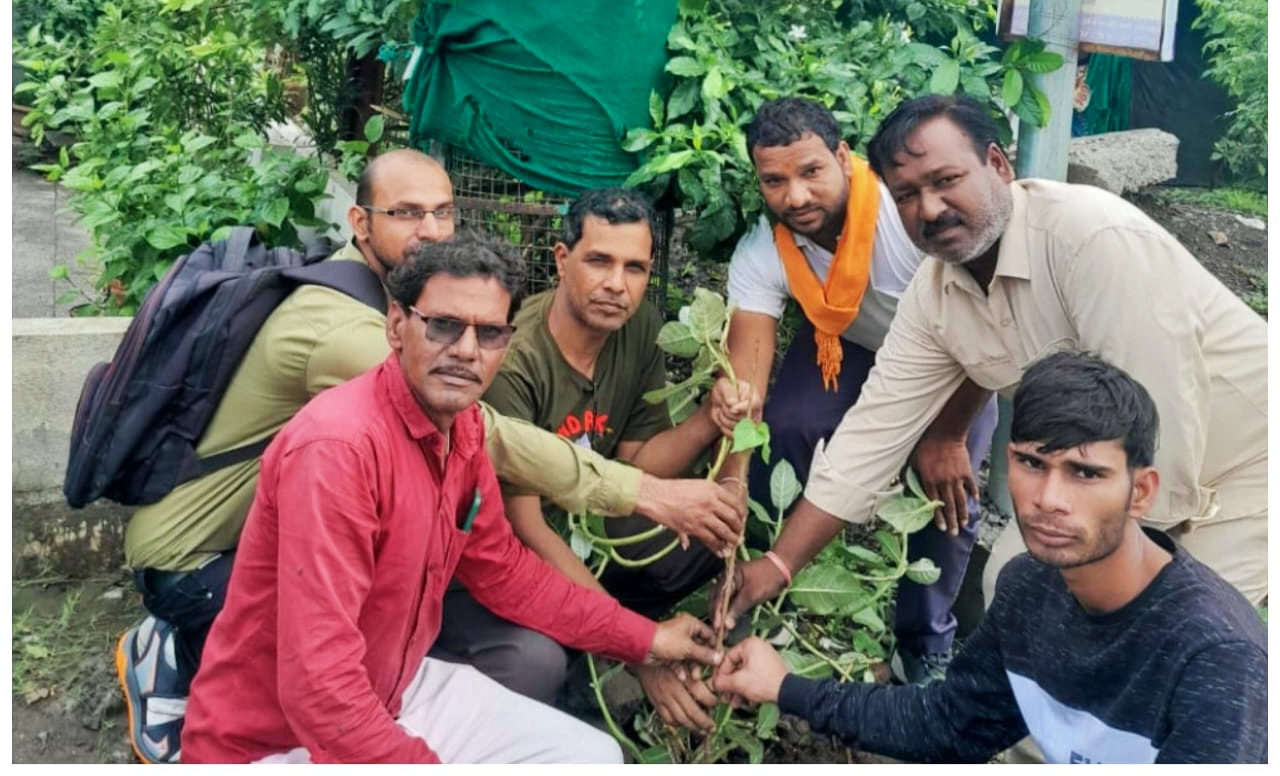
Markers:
<point>536,383</point>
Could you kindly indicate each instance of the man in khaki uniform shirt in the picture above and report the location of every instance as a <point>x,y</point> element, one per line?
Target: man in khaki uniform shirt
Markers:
<point>1020,269</point>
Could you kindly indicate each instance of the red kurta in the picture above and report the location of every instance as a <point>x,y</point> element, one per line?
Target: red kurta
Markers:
<point>335,598</point>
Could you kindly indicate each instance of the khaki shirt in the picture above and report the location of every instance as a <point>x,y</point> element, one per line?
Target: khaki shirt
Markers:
<point>316,339</point>
<point>1082,269</point>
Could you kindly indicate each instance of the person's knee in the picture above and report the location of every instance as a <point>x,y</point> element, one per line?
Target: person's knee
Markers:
<point>536,666</point>
<point>594,746</point>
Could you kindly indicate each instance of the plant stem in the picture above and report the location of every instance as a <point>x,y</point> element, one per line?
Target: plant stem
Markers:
<point>598,687</point>
<point>635,564</point>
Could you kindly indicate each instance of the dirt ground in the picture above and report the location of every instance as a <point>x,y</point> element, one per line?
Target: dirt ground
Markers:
<point>67,705</point>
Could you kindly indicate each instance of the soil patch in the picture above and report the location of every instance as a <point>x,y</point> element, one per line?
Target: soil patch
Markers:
<point>1235,252</point>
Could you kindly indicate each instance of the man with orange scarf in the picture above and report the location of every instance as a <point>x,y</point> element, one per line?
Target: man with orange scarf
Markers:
<point>833,241</point>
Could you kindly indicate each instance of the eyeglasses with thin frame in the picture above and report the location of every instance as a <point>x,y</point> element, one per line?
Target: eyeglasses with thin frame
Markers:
<point>444,330</point>
<point>413,214</point>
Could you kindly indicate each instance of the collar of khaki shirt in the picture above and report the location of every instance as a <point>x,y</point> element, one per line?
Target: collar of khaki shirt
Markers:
<point>1011,261</point>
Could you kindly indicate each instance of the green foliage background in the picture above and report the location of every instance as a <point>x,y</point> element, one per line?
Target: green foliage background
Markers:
<point>1236,48</point>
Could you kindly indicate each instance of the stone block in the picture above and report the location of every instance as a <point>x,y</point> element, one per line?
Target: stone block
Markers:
<point>1123,161</point>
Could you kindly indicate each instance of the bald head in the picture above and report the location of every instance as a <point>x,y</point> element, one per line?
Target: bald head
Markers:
<point>407,157</point>
<point>403,198</point>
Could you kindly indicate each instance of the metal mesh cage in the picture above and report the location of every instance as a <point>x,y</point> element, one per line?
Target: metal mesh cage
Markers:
<point>493,202</point>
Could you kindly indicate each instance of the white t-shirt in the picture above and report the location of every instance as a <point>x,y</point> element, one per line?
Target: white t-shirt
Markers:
<point>758,281</point>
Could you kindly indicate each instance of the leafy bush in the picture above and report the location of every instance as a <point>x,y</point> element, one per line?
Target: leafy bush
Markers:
<point>73,19</point>
<point>167,107</point>
<point>729,56</point>
<point>1236,47</point>
<point>328,39</point>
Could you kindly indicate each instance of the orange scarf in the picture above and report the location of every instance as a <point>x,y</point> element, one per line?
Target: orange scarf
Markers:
<point>832,308</point>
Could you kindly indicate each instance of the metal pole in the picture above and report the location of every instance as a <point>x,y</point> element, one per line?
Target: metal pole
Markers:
<point>1041,153</point>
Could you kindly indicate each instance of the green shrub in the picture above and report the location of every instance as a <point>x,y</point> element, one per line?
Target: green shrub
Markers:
<point>1236,48</point>
<point>167,106</point>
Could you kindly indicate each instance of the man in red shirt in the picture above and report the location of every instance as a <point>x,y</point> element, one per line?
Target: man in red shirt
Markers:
<point>369,501</point>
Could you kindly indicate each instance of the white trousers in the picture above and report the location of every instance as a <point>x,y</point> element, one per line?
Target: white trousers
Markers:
<point>466,717</point>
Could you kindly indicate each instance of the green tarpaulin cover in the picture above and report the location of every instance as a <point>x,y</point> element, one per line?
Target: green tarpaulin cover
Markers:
<point>543,91</point>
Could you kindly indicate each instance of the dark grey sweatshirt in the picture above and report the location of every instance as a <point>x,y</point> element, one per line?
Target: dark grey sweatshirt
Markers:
<point>1177,675</point>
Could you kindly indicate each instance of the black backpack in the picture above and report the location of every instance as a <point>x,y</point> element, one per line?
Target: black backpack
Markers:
<point>140,417</point>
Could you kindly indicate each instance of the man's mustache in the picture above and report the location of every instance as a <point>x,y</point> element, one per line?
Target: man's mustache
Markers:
<point>455,371</point>
<point>944,221</point>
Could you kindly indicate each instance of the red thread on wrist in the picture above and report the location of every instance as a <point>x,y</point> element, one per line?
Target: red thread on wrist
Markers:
<point>781,566</point>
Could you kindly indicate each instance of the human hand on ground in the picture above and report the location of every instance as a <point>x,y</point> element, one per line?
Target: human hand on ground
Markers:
<point>682,638</point>
<point>752,671</point>
<point>680,697</point>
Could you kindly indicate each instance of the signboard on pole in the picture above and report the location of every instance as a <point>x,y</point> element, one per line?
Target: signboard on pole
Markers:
<point>1142,29</point>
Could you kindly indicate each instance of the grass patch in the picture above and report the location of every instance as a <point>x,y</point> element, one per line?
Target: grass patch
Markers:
<point>1257,298</point>
<point>62,636</point>
<point>1245,201</point>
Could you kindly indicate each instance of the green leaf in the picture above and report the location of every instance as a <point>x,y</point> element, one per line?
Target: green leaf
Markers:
<point>581,544</point>
<point>248,141</point>
<point>680,406</point>
<point>890,546</point>
<point>373,128</point>
<point>863,554</point>
<point>946,78</point>
<point>748,435</point>
<point>1043,62</point>
<point>906,514</point>
<point>759,511</point>
<point>683,99</point>
<point>685,66</point>
<point>677,339</point>
<point>707,315</point>
<point>655,755</point>
<point>59,272</point>
<point>923,572</point>
<point>277,211</point>
<point>670,162</point>
<point>109,79</point>
<point>1012,91</point>
<point>163,237</point>
<point>745,740</point>
<point>1042,103</point>
<point>825,589</point>
<point>805,664</point>
<point>869,618</point>
<point>767,721</point>
<point>714,86</point>
<point>655,108</point>
<point>784,487</point>
<point>637,140</point>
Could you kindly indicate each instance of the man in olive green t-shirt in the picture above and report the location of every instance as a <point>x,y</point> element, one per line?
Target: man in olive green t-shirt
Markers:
<point>583,356</point>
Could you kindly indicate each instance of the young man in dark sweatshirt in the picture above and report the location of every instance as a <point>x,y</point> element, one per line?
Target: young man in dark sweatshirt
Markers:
<point>1106,642</point>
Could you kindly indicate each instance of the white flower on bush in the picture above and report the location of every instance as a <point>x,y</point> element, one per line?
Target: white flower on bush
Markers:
<point>797,32</point>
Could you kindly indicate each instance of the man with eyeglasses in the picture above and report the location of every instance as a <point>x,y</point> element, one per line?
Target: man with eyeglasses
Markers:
<point>181,548</point>
<point>584,355</point>
<point>370,499</point>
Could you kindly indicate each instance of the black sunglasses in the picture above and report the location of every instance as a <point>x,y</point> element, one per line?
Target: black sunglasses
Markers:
<point>446,331</point>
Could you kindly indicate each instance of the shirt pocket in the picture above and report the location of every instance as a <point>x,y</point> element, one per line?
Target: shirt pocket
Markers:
<point>986,362</point>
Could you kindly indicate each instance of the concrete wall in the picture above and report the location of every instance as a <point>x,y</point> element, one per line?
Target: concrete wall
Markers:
<point>51,357</point>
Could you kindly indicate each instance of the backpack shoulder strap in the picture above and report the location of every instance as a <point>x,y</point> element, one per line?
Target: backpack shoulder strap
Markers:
<point>352,278</point>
